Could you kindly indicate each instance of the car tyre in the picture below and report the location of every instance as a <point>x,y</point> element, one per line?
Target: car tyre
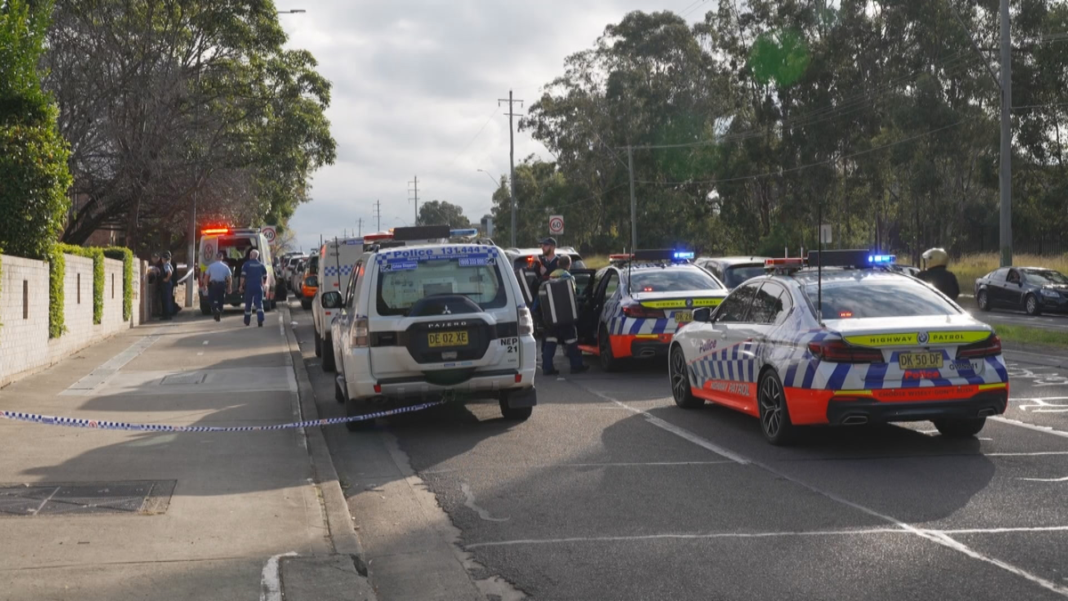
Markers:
<point>329,365</point>
<point>516,414</point>
<point>679,377</point>
<point>774,414</point>
<point>318,345</point>
<point>604,345</point>
<point>1031,305</point>
<point>354,408</point>
<point>960,428</point>
<point>983,301</point>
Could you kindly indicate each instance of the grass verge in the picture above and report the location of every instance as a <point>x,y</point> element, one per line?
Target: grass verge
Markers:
<point>1029,335</point>
<point>969,268</point>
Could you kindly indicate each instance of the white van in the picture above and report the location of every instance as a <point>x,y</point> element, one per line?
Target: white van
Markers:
<point>236,244</point>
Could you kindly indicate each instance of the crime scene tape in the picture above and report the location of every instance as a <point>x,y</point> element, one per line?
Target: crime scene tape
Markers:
<point>72,422</point>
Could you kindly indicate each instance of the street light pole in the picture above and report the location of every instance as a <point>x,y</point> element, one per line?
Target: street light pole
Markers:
<point>1006,138</point>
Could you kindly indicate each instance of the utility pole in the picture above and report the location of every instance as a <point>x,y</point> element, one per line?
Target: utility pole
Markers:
<point>378,215</point>
<point>360,222</point>
<point>415,182</point>
<point>633,201</point>
<point>1006,137</point>
<point>511,154</point>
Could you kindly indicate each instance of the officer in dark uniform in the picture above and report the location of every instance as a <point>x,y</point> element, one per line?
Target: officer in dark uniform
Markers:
<point>548,262</point>
<point>253,279</point>
<point>936,273</point>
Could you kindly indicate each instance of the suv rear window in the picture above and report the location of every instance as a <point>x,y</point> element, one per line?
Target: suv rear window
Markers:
<point>679,279</point>
<point>737,274</point>
<point>858,299</point>
<point>404,282</point>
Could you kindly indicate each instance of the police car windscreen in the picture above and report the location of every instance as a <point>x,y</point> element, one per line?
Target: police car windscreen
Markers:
<point>672,280</point>
<point>860,299</point>
<point>735,276</point>
<point>401,284</point>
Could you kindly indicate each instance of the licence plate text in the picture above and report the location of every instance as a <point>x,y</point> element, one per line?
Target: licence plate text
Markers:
<point>683,316</point>
<point>440,339</point>
<point>920,360</point>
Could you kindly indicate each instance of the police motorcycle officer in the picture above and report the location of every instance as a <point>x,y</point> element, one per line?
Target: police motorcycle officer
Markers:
<point>937,274</point>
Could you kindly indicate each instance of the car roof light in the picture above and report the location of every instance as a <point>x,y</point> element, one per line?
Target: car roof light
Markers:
<point>465,232</point>
<point>421,232</point>
<point>620,257</point>
<point>784,266</point>
<point>215,231</point>
<point>378,236</point>
<point>882,259</point>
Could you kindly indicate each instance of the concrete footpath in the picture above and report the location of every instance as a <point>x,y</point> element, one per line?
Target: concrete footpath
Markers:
<point>93,514</point>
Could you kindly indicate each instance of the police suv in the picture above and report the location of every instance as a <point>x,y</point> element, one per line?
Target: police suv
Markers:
<point>421,321</point>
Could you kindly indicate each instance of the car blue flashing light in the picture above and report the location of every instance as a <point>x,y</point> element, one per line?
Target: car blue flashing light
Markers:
<point>463,232</point>
<point>683,255</point>
<point>882,259</point>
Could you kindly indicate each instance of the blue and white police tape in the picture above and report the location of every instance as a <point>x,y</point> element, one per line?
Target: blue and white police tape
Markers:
<point>73,422</point>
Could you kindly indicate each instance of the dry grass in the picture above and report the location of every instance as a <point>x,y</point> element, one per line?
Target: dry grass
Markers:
<point>595,261</point>
<point>969,268</point>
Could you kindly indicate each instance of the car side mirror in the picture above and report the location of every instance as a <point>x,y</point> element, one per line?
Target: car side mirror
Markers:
<point>331,300</point>
<point>703,314</point>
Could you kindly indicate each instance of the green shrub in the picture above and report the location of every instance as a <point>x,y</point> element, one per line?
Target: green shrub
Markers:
<point>97,255</point>
<point>57,266</point>
<point>126,256</point>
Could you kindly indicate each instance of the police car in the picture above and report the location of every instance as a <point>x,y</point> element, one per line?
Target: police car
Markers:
<point>633,307</point>
<point>423,320</point>
<point>846,343</point>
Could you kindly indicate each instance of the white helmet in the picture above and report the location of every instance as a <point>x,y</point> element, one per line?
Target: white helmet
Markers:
<point>935,257</point>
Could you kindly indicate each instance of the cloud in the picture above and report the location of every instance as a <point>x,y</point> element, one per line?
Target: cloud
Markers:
<point>416,89</point>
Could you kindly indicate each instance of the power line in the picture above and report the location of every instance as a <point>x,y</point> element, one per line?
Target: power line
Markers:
<point>479,133</point>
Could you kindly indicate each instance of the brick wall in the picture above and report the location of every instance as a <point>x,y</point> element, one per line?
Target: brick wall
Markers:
<point>24,343</point>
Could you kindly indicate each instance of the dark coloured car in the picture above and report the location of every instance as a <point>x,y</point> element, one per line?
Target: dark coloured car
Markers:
<point>732,271</point>
<point>1030,289</point>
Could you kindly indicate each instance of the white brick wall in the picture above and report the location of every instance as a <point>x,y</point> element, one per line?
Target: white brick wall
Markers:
<point>24,343</point>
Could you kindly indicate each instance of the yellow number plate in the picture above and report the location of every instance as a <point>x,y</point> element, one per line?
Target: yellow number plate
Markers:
<point>439,339</point>
<point>683,316</point>
<point>920,360</point>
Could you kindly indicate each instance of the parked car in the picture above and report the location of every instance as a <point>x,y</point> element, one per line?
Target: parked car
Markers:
<point>1031,289</point>
<point>732,271</point>
<point>308,287</point>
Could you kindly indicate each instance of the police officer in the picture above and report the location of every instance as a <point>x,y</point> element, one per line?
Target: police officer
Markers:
<point>166,275</point>
<point>253,280</point>
<point>936,274</point>
<point>548,262</point>
<point>565,334</point>
<point>219,281</point>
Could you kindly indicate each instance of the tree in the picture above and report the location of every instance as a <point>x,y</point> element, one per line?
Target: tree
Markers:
<point>161,100</point>
<point>441,212</point>
<point>33,156</point>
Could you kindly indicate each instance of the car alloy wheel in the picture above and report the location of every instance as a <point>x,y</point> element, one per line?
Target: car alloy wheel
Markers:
<point>774,416</point>
<point>1031,305</point>
<point>678,374</point>
<point>983,301</point>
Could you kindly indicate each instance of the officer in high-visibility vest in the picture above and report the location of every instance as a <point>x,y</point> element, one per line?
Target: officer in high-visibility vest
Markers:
<point>566,335</point>
<point>253,281</point>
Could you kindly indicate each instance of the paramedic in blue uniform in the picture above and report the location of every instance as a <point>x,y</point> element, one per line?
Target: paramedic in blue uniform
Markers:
<point>565,334</point>
<point>253,279</point>
<point>219,281</point>
<point>548,262</point>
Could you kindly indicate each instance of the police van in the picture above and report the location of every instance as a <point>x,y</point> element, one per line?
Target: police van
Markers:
<point>236,244</point>
<point>421,321</point>
<point>336,260</point>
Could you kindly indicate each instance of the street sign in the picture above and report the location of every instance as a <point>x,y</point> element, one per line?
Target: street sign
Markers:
<point>269,232</point>
<point>556,224</point>
<point>825,233</point>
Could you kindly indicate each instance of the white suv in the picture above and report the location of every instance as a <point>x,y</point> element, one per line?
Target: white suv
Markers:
<point>419,322</point>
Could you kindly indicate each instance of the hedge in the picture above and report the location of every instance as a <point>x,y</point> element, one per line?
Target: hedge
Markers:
<point>126,256</point>
<point>57,266</point>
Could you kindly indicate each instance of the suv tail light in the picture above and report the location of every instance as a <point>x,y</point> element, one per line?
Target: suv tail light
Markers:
<point>837,351</point>
<point>526,322</point>
<point>636,310</point>
<point>360,337</point>
<point>984,348</point>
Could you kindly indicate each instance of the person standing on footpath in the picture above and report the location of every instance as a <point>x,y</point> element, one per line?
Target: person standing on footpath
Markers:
<point>166,271</point>
<point>253,279</point>
<point>566,334</point>
<point>219,281</point>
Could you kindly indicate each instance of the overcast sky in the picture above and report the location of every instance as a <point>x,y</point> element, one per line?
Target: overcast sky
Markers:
<point>415,89</point>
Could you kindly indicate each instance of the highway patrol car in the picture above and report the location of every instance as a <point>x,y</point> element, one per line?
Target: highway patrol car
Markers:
<point>633,307</point>
<point>860,344</point>
<point>421,321</point>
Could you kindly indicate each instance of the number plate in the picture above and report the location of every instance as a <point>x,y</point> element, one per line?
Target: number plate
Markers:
<point>440,339</point>
<point>920,360</point>
<point>683,316</point>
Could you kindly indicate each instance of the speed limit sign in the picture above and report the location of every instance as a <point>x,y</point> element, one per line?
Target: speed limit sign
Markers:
<point>269,232</point>
<point>556,224</point>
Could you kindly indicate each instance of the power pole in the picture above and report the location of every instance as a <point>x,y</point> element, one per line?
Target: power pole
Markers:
<point>511,153</point>
<point>633,202</point>
<point>378,215</point>
<point>1006,137</point>
<point>360,222</point>
<point>416,199</point>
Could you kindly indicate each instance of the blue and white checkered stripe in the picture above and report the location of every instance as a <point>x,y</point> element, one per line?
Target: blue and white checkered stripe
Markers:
<point>333,270</point>
<point>738,363</point>
<point>51,420</point>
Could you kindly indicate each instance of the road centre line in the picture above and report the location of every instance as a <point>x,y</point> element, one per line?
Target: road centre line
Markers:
<point>755,535</point>
<point>934,536</point>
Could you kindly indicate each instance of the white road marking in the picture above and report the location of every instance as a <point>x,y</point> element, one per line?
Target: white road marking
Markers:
<point>498,466</point>
<point>1045,429</point>
<point>677,431</point>
<point>934,536</point>
<point>271,579</point>
<point>1065,479</point>
<point>1033,454</point>
<point>469,502</point>
<point>205,343</point>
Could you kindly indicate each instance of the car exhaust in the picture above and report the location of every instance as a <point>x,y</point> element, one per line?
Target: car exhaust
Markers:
<point>987,411</point>
<point>855,420</point>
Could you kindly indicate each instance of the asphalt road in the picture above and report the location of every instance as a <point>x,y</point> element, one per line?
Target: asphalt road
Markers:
<point>611,492</point>
<point>1053,321</point>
